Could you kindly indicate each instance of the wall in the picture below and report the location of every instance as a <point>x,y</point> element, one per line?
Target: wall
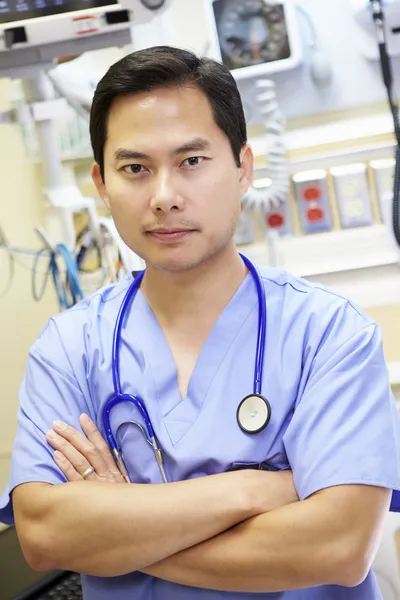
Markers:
<point>21,318</point>
<point>356,80</point>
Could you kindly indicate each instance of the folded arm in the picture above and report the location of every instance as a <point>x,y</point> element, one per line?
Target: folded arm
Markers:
<point>106,529</point>
<point>109,529</point>
<point>330,538</point>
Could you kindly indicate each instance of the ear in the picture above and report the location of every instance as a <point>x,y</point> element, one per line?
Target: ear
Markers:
<point>100,185</point>
<point>246,169</point>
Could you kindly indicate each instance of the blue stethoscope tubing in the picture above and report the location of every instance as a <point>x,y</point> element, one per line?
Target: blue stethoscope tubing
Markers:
<point>254,401</point>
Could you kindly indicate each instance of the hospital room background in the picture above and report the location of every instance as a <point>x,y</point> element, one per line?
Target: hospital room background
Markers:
<point>322,203</point>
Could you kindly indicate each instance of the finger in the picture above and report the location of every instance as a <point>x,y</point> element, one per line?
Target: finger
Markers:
<point>82,445</point>
<point>77,460</point>
<point>66,467</point>
<point>94,436</point>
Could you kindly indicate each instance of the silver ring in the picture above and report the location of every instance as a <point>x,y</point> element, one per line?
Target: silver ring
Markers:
<point>88,472</point>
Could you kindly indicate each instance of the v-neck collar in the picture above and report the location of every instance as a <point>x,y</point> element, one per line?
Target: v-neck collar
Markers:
<point>179,415</point>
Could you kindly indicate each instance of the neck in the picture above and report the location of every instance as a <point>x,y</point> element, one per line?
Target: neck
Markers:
<point>179,295</point>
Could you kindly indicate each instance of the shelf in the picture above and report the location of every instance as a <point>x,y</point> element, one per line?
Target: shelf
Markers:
<point>361,264</point>
<point>354,135</point>
<point>335,158</point>
<point>338,132</point>
<point>331,252</point>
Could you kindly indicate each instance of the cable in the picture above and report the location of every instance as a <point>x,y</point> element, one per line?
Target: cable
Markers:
<point>386,66</point>
<point>273,197</point>
<point>320,66</point>
<point>69,291</point>
<point>66,281</point>
<point>37,296</point>
<point>11,264</point>
<point>314,43</point>
<point>72,276</point>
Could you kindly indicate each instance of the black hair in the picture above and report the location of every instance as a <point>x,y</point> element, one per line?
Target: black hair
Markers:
<point>164,66</point>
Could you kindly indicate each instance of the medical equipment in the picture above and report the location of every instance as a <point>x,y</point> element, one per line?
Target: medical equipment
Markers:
<point>62,267</point>
<point>269,194</point>
<point>321,71</point>
<point>280,221</point>
<point>256,37</point>
<point>365,33</point>
<point>312,196</point>
<point>31,40</point>
<point>33,37</point>
<point>379,13</point>
<point>253,413</point>
<point>353,195</point>
<point>275,192</point>
<point>68,290</point>
<point>153,4</point>
<point>10,270</point>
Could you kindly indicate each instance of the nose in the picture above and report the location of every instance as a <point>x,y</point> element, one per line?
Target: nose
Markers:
<point>165,196</point>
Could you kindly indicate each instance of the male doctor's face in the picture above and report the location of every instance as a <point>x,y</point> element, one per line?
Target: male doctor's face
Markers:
<point>171,180</point>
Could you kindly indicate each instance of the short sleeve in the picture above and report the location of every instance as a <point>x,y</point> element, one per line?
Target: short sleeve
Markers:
<point>49,391</point>
<point>345,428</point>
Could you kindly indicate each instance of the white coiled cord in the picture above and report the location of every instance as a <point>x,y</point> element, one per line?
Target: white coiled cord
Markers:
<point>271,198</point>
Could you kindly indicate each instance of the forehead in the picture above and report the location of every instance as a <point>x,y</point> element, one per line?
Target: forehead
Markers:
<point>169,114</point>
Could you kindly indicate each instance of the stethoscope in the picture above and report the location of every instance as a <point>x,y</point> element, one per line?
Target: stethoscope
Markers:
<point>253,413</point>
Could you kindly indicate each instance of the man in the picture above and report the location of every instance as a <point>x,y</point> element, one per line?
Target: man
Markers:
<point>172,164</point>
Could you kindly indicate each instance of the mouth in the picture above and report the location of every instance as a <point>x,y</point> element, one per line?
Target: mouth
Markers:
<point>170,235</point>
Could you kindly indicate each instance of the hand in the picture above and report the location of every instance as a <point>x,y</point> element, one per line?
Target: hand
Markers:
<point>76,453</point>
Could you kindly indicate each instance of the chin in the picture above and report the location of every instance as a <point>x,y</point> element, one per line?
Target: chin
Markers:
<point>174,265</point>
<point>182,261</point>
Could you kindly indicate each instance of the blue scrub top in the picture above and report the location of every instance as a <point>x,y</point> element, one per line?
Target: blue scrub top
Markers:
<point>334,419</point>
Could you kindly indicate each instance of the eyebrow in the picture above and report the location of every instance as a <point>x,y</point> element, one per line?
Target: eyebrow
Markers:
<point>196,145</point>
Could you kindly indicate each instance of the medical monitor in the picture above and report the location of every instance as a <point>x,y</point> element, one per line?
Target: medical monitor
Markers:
<point>20,10</point>
<point>35,32</point>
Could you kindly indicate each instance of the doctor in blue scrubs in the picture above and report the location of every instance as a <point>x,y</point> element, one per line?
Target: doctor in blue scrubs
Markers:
<point>293,512</point>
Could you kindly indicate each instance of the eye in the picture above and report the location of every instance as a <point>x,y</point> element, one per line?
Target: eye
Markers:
<point>133,169</point>
<point>193,161</point>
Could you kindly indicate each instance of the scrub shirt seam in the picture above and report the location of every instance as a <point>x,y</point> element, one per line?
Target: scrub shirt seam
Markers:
<point>217,371</point>
<point>306,493</point>
<point>78,307</point>
<point>321,289</point>
<point>373,325</point>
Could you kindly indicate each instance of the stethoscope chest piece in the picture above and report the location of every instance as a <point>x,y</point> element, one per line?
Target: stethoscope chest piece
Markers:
<point>253,413</point>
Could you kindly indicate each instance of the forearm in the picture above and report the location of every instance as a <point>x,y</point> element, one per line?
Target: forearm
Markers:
<point>108,530</point>
<point>295,547</point>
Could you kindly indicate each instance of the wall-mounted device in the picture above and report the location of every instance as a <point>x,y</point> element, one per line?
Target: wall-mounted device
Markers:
<point>383,171</point>
<point>35,32</point>
<point>365,34</point>
<point>312,196</point>
<point>275,216</point>
<point>255,37</point>
<point>353,195</point>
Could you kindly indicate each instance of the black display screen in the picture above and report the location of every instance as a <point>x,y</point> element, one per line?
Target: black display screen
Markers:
<point>17,10</point>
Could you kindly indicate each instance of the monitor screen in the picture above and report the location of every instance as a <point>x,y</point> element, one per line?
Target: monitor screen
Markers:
<point>17,10</point>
